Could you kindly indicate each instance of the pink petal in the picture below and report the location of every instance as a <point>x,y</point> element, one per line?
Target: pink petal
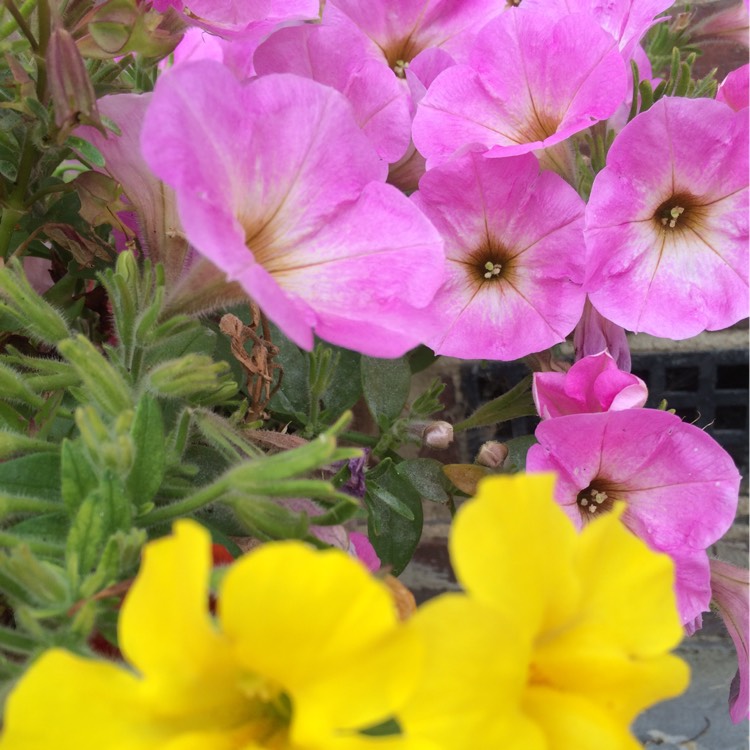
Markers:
<point>733,90</point>
<point>531,82</point>
<point>593,384</point>
<point>594,333</point>
<point>337,58</point>
<point>729,589</point>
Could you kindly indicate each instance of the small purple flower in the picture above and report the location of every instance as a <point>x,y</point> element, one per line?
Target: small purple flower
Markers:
<point>679,486</point>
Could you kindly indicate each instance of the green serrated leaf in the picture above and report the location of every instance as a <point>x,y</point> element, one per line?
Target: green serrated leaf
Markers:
<point>517,402</point>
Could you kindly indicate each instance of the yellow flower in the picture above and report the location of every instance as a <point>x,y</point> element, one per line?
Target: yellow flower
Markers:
<point>561,638</point>
<point>306,651</point>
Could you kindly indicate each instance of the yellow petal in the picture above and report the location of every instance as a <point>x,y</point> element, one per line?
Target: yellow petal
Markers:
<point>629,589</point>
<point>70,703</point>
<point>512,548</point>
<point>571,722</point>
<point>589,664</point>
<point>167,634</point>
<point>474,679</point>
<point>322,629</point>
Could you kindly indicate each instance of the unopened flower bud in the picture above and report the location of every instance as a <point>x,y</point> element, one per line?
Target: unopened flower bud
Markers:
<point>117,27</point>
<point>70,87</point>
<point>492,454</point>
<point>438,435</point>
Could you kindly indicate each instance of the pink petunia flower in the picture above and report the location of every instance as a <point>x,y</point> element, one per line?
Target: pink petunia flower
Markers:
<point>531,82</point>
<point>729,590</point>
<point>679,486</point>
<point>593,384</point>
<point>733,90</point>
<point>279,188</point>
<point>513,238</point>
<point>667,221</point>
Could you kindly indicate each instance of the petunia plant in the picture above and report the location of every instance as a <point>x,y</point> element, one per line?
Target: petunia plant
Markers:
<point>235,237</point>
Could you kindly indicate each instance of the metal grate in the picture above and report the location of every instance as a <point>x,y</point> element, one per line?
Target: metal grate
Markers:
<point>707,388</point>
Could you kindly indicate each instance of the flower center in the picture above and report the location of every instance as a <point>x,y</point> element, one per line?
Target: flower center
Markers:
<point>492,269</point>
<point>399,68</point>
<point>679,212</point>
<point>490,263</point>
<point>268,713</point>
<point>595,499</point>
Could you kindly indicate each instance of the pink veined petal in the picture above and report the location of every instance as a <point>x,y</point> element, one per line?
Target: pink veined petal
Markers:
<point>336,57</point>
<point>531,82</point>
<point>404,28</point>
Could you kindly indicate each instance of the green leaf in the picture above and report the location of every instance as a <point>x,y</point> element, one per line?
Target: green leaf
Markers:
<point>77,476</point>
<point>517,449</point>
<point>517,402</point>
<point>393,536</point>
<point>150,445</point>
<point>427,477</point>
<point>386,384</point>
<point>293,398</point>
<point>345,386</point>
<point>37,475</point>
<point>87,150</point>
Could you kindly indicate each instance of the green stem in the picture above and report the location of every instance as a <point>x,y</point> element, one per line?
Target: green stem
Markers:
<point>20,22</point>
<point>15,641</point>
<point>184,507</point>
<point>65,187</point>
<point>43,19</point>
<point>20,504</point>
<point>360,438</point>
<point>39,547</point>
<point>14,208</point>
<point>10,26</point>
